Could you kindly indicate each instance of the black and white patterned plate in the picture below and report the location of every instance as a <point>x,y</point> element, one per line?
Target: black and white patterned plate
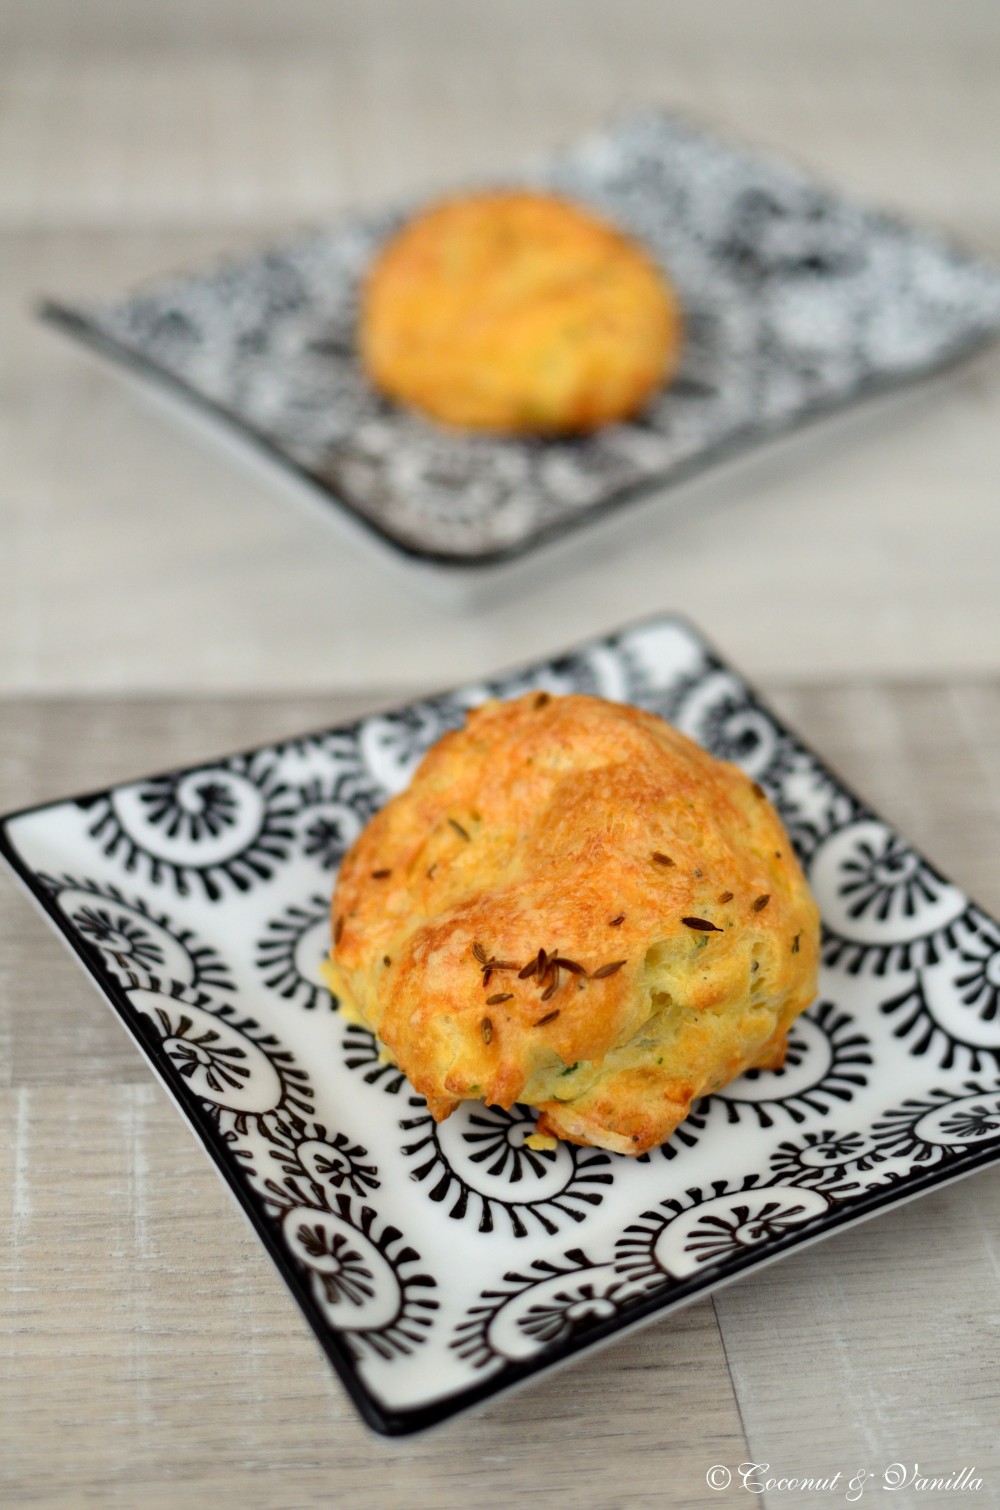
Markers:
<point>797,301</point>
<point>439,1264</point>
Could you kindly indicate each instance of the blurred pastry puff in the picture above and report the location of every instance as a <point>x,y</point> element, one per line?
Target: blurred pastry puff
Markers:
<point>518,313</point>
<point>574,906</point>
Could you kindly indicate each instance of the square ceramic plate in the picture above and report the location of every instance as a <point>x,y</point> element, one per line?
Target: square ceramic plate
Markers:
<point>440,1264</point>
<point>796,302</point>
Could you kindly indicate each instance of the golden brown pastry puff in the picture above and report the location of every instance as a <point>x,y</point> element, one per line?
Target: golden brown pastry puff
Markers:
<point>517,312</point>
<point>576,907</point>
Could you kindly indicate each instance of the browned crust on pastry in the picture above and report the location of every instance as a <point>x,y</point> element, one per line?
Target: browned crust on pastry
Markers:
<point>518,313</point>
<point>678,938</point>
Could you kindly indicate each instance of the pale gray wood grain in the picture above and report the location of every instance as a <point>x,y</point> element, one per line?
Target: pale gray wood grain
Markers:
<point>877,1347</point>
<point>755,30</point>
<point>181,111</point>
<point>187,137</point>
<point>152,1356</point>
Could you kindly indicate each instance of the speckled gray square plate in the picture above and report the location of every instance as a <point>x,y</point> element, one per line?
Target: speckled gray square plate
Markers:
<point>796,300</point>
<point>438,1265</point>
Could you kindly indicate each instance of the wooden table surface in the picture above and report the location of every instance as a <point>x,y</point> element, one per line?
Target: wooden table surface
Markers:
<point>161,604</point>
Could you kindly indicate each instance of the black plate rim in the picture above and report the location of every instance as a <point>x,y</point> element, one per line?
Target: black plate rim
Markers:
<point>742,443</point>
